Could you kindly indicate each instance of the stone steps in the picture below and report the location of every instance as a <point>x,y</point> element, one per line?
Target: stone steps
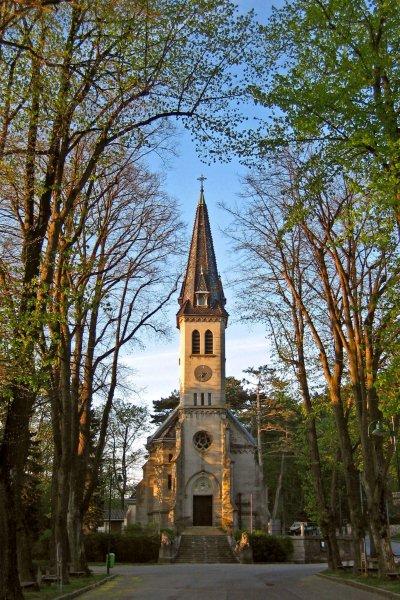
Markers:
<point>204,549</point>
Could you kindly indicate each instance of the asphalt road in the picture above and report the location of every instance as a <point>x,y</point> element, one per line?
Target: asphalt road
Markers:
<point>223,582</point>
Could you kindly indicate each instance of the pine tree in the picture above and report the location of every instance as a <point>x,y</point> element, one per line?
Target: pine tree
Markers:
<point>162,408</point>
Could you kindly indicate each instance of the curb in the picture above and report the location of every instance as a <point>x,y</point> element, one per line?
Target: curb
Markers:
<point>361,586</point>
<point>85,589</point>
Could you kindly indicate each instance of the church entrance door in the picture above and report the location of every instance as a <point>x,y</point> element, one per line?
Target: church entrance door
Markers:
<point>202,510</point>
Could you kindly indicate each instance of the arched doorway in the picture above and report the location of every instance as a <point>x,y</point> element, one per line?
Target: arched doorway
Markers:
<point>202,502</point>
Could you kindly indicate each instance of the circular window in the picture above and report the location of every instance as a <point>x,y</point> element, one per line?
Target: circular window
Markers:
<point>202,440</point>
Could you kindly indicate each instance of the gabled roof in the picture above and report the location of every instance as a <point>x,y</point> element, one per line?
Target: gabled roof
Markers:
<point>163,428</point>
<point>116,514</point>
<point>241,427</point>
<point>201,271</point>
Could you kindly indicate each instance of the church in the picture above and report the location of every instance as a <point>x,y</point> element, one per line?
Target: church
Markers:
<point>201,468</point>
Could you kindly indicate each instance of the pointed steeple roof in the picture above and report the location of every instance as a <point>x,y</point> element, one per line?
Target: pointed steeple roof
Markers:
<point>201,271</point>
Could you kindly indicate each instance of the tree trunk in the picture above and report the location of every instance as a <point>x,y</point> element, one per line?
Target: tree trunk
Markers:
<point>75,535</point>
<point>10,588</point>
<point>352,482</point>
<point>327,521</point>
<point>60,521</point>
<point>380,533</point>
<point>54,493</point>
<point>13,455</point>
<point>61,415</point>
<point>264,493</point>
<point>378,518</point>
<point>278,487</point>
<point>24,544</point>
<point>76,515</point>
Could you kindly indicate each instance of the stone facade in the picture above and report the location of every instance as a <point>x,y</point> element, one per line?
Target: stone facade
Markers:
<point>202,467</point>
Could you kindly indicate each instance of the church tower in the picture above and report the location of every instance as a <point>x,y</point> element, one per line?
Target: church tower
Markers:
<point>202,468</point>
<point>202,320</point>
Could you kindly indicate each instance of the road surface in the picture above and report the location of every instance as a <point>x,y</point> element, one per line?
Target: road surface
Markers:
<point>223,582</point>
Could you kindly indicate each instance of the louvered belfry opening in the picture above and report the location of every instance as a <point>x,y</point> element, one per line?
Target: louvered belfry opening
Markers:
<point>208,342</point>
<point>195,342</point>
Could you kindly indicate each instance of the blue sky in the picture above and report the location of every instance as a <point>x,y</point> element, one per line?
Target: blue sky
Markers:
<point>156,367</point>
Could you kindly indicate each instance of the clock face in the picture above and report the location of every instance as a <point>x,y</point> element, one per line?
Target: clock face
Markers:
<point>202,373</point>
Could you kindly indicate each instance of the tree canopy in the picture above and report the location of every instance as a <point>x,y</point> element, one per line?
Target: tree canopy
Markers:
<point>331,77</point>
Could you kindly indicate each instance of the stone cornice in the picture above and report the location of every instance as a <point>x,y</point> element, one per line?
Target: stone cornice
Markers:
<point>204,410</point>
<point>202,318</point>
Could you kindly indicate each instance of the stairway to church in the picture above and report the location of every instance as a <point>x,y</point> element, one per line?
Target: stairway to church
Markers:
<point>204,545</point>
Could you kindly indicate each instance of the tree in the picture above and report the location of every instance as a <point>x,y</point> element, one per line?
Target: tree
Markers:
<point>271,247</point>
<point>331,78</point>
<point>326,269</point>
<point>238,399</point>
<point>162,408</point>
<point>79,82</point>
<point>273,413</point>
<point>126,423</point>
<point>119,273</point>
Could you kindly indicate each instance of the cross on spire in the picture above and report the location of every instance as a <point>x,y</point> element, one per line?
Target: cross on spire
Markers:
<point>202,179</point>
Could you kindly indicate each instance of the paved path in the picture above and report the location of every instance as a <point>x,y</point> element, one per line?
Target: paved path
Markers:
<point>223,582</point>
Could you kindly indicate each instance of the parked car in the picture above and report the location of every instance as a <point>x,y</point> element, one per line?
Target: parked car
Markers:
<point>309,528</point>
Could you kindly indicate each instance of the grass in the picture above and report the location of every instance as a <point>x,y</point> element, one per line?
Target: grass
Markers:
<point>51,591</point>
<point>371,580</point>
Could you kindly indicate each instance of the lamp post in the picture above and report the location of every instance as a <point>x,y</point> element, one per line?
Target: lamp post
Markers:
<point>109,524</point>
<point>118,478</point>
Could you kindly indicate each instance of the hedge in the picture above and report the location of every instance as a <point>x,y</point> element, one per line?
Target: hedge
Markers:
<point>131,547</point>
<point>269,548</point>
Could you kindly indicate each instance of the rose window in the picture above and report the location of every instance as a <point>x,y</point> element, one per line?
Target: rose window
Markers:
<point>202,440</point>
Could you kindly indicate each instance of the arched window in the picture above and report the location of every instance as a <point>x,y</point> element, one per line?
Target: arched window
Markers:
<point>209,342</point>
<point>195,342</point>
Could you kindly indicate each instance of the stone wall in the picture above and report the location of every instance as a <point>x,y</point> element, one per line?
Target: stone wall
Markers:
<point>313,549</point>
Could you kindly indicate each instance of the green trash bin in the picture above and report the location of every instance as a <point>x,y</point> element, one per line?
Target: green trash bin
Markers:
<point>110,561</point>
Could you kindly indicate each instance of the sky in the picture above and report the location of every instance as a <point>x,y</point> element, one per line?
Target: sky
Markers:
<point>246,345</point>
<point>156,367</point>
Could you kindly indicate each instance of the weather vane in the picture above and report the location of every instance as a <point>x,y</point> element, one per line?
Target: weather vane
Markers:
<point>202,180</point>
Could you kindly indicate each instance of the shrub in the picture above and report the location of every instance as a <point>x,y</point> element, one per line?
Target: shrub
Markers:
<point>268,548</point>
<point>133,529</point>
<point>134,546</point>
<point>171,533</point>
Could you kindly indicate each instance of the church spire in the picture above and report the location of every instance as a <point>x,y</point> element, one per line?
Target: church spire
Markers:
<point>201,291</point>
